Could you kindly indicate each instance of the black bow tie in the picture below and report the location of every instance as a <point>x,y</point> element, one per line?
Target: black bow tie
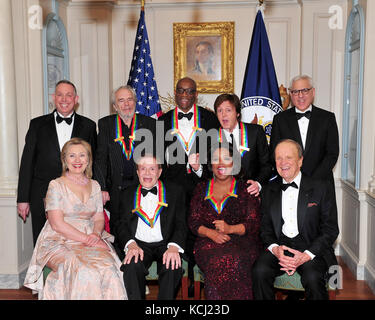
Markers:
<point>285,186</point>
<point>185,115</point>
<point>153,190</point>
<point>60,119</point>
<point>307,114</point>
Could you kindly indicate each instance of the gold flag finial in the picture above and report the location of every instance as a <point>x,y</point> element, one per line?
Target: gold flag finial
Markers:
<point>142,4</point>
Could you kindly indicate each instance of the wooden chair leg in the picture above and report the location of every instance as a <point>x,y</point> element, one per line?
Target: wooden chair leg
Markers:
<point>184,288</point>
<point>197,290</point>
<point>332,294</point>
<point>279,295</point>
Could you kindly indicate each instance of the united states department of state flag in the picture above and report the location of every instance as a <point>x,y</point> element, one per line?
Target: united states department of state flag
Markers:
<point>260,95</point>
<point>141,76</point>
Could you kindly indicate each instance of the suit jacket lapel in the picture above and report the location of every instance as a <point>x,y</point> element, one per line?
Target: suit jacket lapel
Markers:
<point>52,132</point>
<point>77,126</point>
<point>117,147</point>
<point>134,216</point>
<point>303,198</point>
<point>276,210</point>
<point>313,123</point>
<point>293,125</point>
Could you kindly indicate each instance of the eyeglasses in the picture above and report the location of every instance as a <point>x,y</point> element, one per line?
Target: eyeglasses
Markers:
<point>304,91</point>
<point>188,91</point>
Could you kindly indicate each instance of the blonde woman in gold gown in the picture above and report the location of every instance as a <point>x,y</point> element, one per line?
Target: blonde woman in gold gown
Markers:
<point>73,242</point>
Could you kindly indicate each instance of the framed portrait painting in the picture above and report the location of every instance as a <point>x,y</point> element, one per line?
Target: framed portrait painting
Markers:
<point>205,53</point>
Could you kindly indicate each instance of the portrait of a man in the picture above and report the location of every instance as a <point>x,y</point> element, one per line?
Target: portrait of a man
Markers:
<point>203,58</point>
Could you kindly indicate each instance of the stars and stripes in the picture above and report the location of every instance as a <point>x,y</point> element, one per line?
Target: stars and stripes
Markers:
<point>141,76</point>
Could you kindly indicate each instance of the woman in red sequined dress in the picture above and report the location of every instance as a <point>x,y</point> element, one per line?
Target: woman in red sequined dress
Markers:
<point>226,219</point>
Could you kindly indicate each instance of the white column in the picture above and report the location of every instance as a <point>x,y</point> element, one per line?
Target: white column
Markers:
<point>15,236</point>
<point>371,184</point>
<point>8,104</point>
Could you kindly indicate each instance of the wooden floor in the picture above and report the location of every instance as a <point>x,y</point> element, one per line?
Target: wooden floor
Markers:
<point>352,290</point>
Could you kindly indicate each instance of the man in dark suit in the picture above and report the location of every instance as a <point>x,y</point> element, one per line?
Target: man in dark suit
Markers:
<point>299,227</point>
<point>40,161</point>
<point>151,226</point>
<point>120,136</point>
<point>249,139</point>
<point>184,126</point>
<point>313,128</point>
<point>185,129</point>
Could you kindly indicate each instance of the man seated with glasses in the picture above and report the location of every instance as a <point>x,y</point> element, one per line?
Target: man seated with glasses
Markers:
<point>185,126</point>
<point>313,128</point>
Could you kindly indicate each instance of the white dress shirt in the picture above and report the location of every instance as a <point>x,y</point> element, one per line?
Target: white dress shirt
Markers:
<point>186,128</point>
<point>236,136</point>
<point>289,205</point>
<point>64,130</point>
<point>144,232</point>
<point>303,125</point>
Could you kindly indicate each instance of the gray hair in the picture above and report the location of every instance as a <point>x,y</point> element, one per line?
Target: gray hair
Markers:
<point>302,77</point>
<point>127,87</point>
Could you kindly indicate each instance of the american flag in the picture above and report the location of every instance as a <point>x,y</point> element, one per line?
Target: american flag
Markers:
<point>141,76</point>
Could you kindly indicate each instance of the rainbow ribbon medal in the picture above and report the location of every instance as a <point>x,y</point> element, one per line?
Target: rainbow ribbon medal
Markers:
<point>128,153</point>
<point>161,204</point>
<point>244,145</point>
<point>220,138</point>
<point>219,207</point>
<point>197,127</point>
<point>243,132</point>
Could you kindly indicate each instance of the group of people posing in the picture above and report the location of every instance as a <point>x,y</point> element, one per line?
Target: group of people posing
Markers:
<point>243,210</point>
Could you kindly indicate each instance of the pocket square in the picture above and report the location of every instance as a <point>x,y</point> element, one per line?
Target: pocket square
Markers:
<point>311,204</point>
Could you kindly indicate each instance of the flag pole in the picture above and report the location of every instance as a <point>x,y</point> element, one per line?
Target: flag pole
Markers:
<point>143,5</point>
<point>261,6</point>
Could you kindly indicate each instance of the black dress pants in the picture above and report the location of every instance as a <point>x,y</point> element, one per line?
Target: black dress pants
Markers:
<point>267,268</point>
<point>135,273</point>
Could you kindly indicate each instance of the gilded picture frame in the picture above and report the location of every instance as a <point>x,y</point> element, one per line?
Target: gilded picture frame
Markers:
<point>205,53</point>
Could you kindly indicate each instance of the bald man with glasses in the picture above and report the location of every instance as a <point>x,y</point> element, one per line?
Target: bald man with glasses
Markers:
<point>313,128</point>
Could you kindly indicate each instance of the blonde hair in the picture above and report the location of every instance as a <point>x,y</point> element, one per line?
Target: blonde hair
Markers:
<point>74,142</point>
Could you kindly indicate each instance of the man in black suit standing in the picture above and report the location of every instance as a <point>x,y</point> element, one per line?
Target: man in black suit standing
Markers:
<point>40,162</point>
<point>299,227</point>
<point>313,128</point>
<point>250,141</point>
<point>185,128</point>
<point>119,136</point>
<point>151,226</point>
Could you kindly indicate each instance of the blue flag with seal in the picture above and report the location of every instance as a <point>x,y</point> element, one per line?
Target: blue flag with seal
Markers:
<point>141,76</point>
<point>260,96</point>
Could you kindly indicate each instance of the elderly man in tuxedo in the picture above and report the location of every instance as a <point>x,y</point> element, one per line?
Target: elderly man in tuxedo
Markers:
<point>313,128</point>
<point>119,136</point>
<point>298,228</point>
<point>40,162</point>
<point>151,226</point>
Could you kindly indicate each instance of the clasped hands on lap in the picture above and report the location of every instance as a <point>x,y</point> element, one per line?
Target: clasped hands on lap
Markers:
<point>221,234</point>
<point>171,257</point>
<point>290,259</point>
<point>94,240</point>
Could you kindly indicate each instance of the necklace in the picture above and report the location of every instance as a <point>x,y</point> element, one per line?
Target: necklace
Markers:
<point>82,180</point>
